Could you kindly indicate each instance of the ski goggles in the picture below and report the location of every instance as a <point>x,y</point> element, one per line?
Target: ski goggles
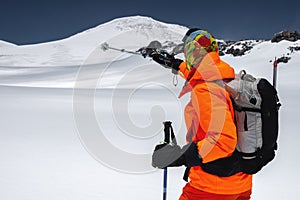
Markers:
<point>193,35</point>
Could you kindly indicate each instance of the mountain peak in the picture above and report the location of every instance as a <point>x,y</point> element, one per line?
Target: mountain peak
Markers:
<point>137,23</point>
<point>141,23</point>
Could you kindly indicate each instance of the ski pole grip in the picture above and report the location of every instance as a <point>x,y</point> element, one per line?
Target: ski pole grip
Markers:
<point>167,125</point>
<point>168,130</point>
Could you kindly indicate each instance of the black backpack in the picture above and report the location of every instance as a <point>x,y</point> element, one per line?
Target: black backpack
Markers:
<point>256,106</point>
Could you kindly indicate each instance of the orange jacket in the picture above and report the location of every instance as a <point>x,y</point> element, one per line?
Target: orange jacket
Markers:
<point>209,118</point>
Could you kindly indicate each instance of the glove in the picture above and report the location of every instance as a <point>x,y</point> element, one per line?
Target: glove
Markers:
<point>167,155</point>
<point>167,61</point>
<point>191,155</point>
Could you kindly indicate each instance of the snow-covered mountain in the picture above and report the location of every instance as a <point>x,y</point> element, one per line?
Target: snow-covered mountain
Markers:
<point>138,31</point>
<point>55,64</point>
<point>81,123</point>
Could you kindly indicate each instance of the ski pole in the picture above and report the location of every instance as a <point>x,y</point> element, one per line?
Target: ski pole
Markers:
<point>275,64</point>
<point>167,125</point>
<point>144,51</point>
<point>165,183</point>
<point>105,46</point>
<point>168,130</point>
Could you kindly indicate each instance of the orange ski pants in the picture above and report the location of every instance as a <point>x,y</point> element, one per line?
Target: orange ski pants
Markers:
<point>190,193</point>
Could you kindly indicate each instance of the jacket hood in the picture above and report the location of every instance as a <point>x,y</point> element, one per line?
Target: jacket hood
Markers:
<point>210,69</point>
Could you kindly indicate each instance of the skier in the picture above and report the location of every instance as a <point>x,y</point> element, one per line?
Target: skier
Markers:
<point>209,118</point>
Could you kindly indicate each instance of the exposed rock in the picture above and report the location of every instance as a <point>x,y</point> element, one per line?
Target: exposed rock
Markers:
<point>286,35</point>
<point>223,45</point>
<point>283,59</point>
<point>238,48</point>
<point>292,49</point>
<point>178,49</point>
<point>155,45</point>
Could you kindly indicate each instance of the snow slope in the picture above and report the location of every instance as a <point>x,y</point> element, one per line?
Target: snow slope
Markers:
<point>80,123</point>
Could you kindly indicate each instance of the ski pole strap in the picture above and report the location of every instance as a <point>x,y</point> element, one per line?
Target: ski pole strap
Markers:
<point>168,130</point>
<point>186,174</point>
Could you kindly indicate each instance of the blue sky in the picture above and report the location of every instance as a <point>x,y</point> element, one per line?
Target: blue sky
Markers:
<point>35,21</point>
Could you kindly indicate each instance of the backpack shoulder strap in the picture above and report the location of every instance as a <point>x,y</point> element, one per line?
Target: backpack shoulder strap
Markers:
<point>234,93</point>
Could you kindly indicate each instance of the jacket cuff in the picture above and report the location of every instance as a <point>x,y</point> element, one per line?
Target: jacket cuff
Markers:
<point>183,69</point>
